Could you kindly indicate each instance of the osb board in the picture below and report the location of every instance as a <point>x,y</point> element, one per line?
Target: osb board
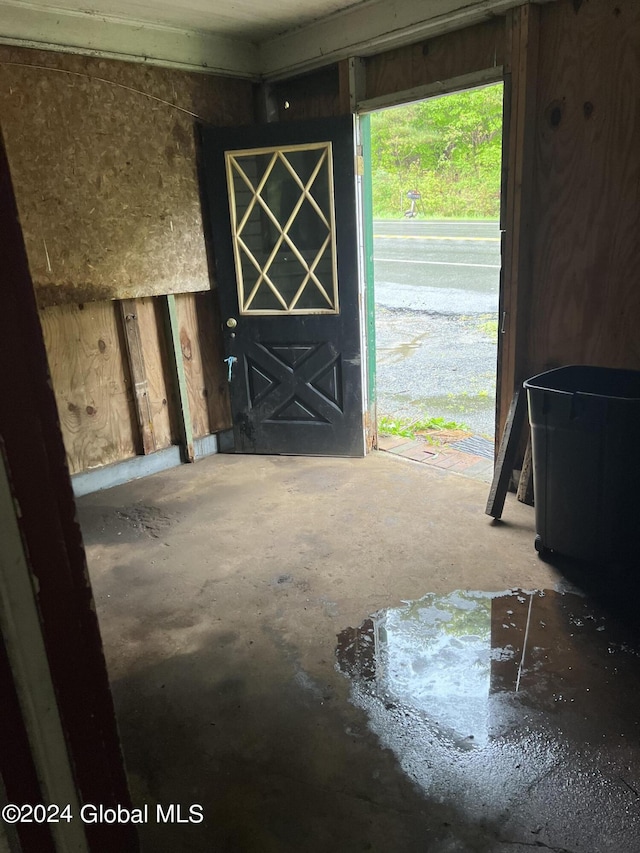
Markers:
<point>91,383</point>
<point>154,353</point>
<point>102,155</point>
<point>585,250</point>
<point>205,370</point>
<point>440,58</point>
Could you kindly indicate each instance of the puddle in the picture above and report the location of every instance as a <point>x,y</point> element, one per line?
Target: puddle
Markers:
<point>400,350</point>
<point>498,701</point>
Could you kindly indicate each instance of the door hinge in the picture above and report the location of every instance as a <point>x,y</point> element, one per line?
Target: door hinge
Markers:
<point>359,165</point>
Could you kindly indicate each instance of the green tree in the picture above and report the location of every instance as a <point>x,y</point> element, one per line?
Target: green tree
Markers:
<point>449,148</point>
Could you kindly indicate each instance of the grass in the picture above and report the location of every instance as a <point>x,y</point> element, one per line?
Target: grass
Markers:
<point>389,426</point>
<point>488,325</point>
<point>409,429</point>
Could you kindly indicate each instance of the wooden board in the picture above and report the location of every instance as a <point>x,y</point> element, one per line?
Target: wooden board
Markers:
<point>57,714</point>
<point>521,74</point>
<point>507,454</point>
<point>206,373</point>
<point>325,93</point>
<point>440,58</point>
<point>525,485</point>
<point>155,361</point>
<point>91,384</point>
<point>585,248</point>
<point>137,371</point>
<point>102,155</point>
<point>315,95</point>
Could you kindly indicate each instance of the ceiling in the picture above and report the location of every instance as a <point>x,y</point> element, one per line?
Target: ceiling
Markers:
<point>249,20</point>
<point>249,38</point>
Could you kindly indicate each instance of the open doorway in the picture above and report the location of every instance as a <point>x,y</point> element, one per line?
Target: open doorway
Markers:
<point>435,181</point>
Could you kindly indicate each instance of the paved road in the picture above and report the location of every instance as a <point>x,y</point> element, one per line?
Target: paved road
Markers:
<point>436,286</point>
<point>444,267</point>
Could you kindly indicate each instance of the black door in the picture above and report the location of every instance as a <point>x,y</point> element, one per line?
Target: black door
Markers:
<point>282,219</point>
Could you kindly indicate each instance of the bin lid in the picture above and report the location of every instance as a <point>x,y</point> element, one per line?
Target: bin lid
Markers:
<point>607,382</point>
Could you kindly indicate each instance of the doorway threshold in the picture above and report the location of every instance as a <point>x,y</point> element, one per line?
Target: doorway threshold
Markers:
<point>444,456</point>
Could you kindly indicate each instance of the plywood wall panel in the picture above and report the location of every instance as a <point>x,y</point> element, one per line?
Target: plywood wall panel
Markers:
<point>91,384</point>
<point>102,155</point>
<point>438,59</point>
<point>205,370</point>
<point>586,252</point>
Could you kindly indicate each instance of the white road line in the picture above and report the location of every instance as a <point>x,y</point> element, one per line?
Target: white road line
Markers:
<point>442,223</point>
<point>435,263</point>
<point>431,237</point>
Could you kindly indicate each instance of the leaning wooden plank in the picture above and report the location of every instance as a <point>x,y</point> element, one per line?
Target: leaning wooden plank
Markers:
<point>525,485</point>
<point>506,455</point>
<point>178,376</point>
<point>129,311</point>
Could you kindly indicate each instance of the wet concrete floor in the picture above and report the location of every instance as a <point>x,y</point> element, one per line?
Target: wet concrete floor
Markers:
<point>340,655</point>
<point>518,707</point>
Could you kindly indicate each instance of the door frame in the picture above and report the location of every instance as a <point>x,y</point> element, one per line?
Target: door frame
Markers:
<point>519,77</point>
<point>364,211</point>
<point>51,650</point>
<point>363,108</point>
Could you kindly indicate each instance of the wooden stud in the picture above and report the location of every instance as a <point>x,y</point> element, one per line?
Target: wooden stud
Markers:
<point>506,455</point>
<point>179,377</point>
<point>357,82</point>
<point>128,308</point>
<point>515,221</point>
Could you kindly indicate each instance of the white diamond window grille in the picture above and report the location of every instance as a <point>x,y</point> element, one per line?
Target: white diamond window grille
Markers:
<point>273,207</point>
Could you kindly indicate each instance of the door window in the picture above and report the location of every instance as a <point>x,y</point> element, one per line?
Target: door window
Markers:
<point>283,227</point>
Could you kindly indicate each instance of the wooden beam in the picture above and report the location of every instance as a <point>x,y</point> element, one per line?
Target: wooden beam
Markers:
<point>178,376</point>
<point>515,220</point>
<point>429,90</point>
<point>367,28</point>
<point>68,31</point>
<point>128,309</point>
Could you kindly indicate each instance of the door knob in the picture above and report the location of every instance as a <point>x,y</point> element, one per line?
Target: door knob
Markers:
<point>232,323</point>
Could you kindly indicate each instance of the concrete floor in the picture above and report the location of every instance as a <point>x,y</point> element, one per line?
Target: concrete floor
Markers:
<point>234,598</point>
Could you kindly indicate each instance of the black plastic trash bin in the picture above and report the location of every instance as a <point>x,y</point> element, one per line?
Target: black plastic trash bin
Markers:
<point>585,441</point>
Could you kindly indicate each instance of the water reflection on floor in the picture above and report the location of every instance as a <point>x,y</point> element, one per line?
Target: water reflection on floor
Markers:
<point>519,707</point>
